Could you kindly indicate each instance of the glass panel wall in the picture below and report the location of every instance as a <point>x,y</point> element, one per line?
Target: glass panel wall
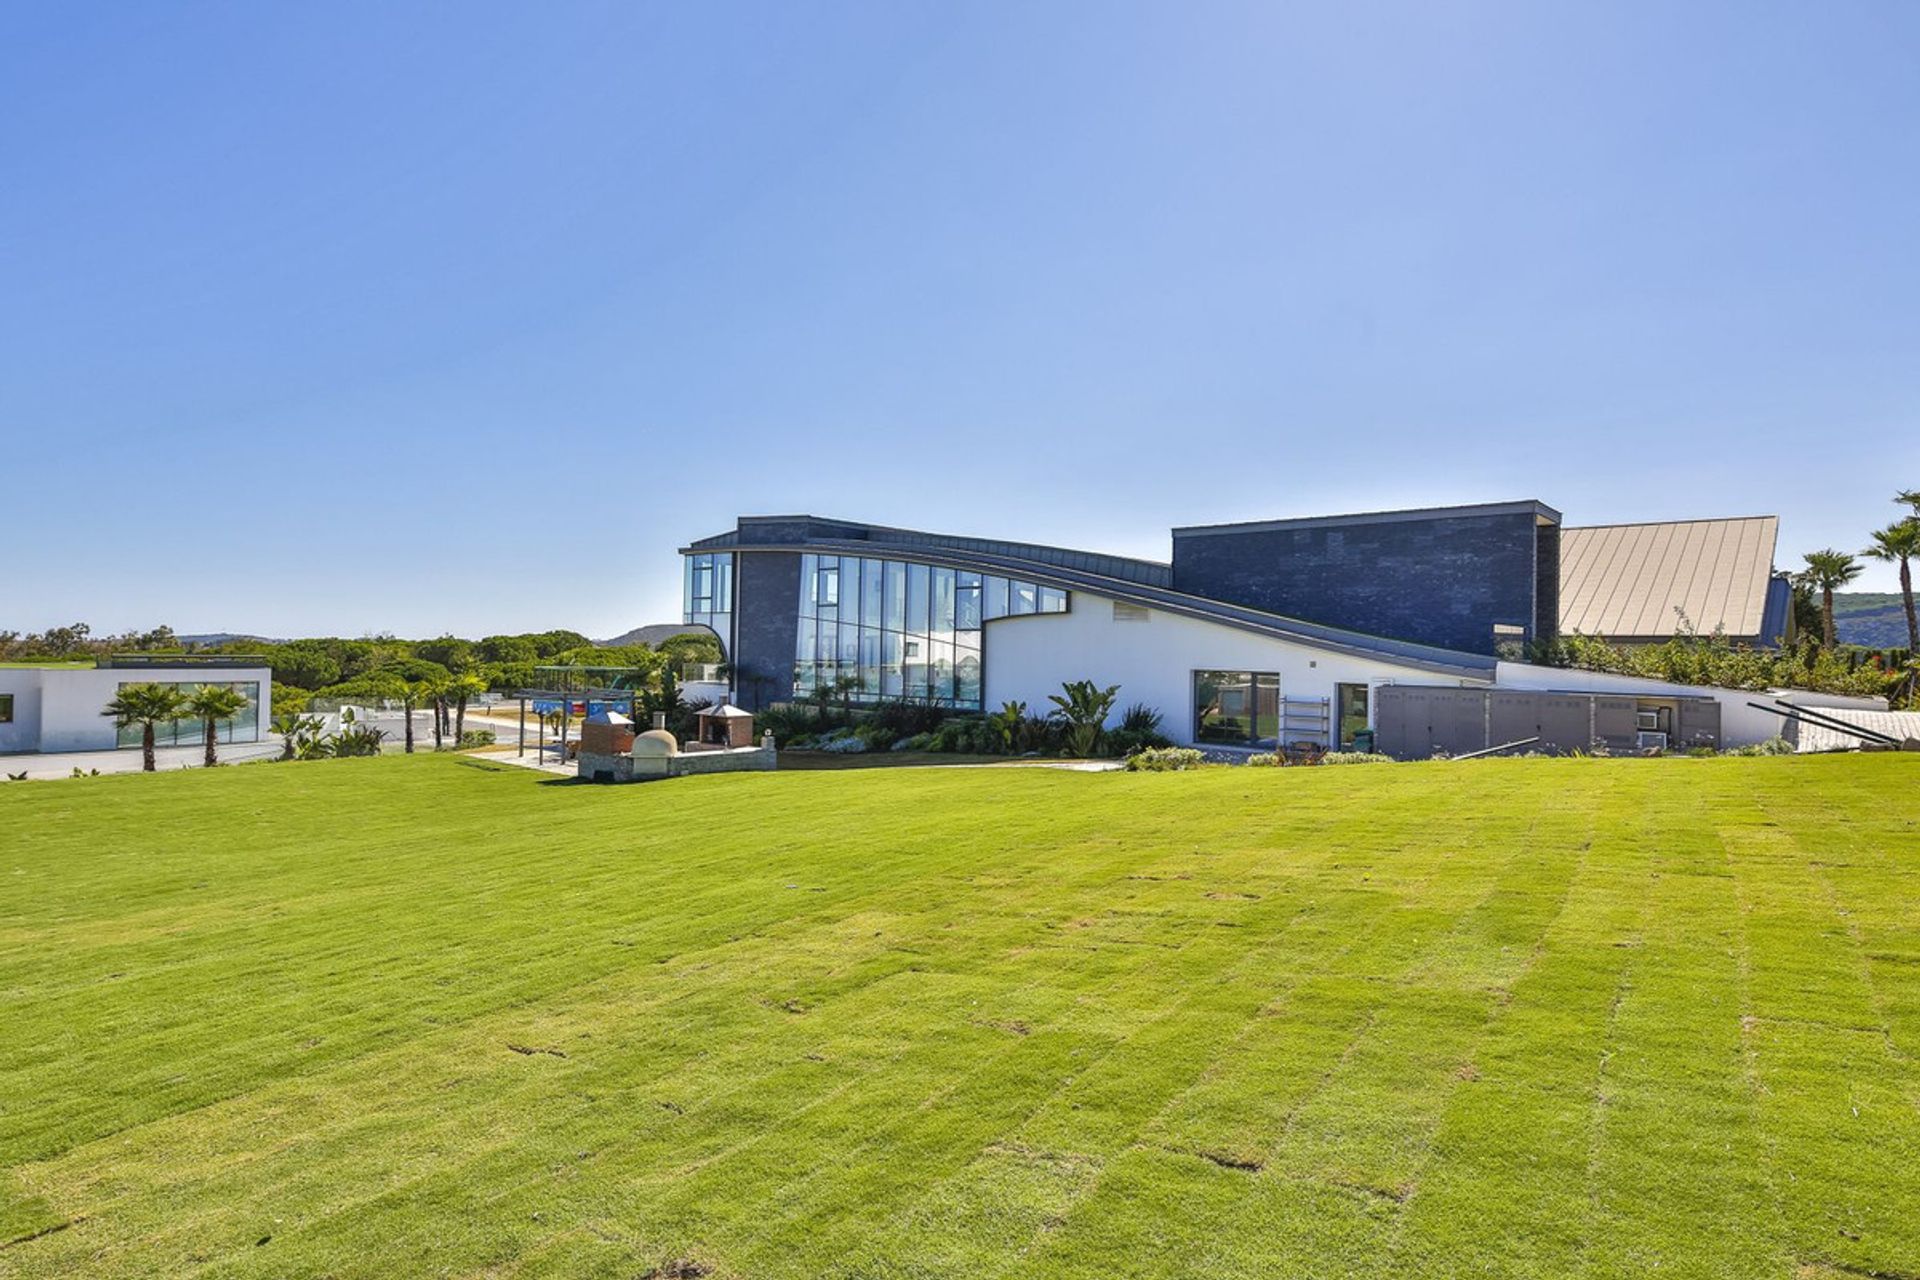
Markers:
<point>871,629</point>
<point>1236,708</point>
<point>243,727</point>
<point>707,592</point>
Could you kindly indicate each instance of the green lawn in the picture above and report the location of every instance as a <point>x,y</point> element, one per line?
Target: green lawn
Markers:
<point>433,1016</point>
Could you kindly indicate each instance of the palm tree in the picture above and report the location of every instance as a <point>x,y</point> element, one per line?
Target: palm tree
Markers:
<point>1899,543</point>
<point>464,686</point>
<point>212,703</point>
<point>145,705</point>
<point>432,691</point>
<point>1911,498</point>
<point>1827,571</point>
<point>292,729</point>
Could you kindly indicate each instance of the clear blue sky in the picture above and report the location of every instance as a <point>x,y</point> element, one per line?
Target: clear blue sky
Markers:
<point>342,318</point>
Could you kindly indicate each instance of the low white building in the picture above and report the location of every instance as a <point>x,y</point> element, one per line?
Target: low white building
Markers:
<point>60,708</point>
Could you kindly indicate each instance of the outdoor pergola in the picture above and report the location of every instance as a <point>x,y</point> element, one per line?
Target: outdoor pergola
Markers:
<point>594,688</point>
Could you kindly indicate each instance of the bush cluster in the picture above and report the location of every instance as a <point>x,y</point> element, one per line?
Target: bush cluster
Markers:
<point>1165,760</point>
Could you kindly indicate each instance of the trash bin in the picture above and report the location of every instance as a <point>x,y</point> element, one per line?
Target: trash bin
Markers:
<point>1363,740</point>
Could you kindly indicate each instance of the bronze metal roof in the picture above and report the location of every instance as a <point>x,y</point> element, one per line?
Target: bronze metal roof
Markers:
<point>1632,581</point>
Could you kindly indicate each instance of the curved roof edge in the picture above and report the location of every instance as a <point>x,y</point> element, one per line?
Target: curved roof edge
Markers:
<point>1447,662</point>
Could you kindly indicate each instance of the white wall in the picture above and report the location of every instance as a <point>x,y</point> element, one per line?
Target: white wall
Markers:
<point>71,699</point>
<point>24,733</point>
<point>1153,662</point>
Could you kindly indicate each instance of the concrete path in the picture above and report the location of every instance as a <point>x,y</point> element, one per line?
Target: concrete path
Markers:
<point>61,764</point>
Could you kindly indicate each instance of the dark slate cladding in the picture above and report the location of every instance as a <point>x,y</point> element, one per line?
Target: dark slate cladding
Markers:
<point>1546,612</point>
<point>1445,577</point>
<point>767,594</point>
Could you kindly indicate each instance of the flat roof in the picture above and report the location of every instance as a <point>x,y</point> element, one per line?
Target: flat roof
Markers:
<point>1525,506</point>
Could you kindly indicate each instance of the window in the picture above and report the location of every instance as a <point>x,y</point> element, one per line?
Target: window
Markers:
<point>243,727</point>
<point>6,708</point>
<point>826,587</point>
<point>1236,708</point>
<point>1350,701</point>
<point>707,592</point>
<point>966,601</point>
<point>1129,612</point>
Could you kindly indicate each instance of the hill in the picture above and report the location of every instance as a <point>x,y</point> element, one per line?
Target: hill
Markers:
<point>1522,1018</point>
<point>1875,619</point>
<point>653,633</point>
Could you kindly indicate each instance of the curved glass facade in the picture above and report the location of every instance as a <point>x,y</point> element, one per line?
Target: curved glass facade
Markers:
<point>874,629</point>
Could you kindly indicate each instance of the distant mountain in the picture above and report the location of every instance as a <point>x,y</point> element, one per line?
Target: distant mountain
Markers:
<point>1875,619</point>
<point>654,633</point>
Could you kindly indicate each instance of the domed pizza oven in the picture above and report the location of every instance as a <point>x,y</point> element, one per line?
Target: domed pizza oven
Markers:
<point>654,750</point>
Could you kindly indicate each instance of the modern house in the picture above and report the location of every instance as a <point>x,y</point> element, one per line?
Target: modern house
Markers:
<point>58,708</point>
<point>1252,634</point>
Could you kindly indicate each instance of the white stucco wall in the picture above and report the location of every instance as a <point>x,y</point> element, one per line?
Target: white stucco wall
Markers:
<point>23,734</point>
<point>1153,662</point>
<point>70,700</point>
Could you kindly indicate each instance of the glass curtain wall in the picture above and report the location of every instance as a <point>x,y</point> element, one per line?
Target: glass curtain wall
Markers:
<point>243,727</point>
<point>880,629</point>
<point>707,592</point>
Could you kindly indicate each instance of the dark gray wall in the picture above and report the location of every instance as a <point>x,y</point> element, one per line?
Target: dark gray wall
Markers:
<point>1443,580</point>
<point>766,586</point>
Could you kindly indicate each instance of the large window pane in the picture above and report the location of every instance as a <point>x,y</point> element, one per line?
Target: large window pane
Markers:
<point>943,589</point>
<point>1266,709</point>
<point>869,661</point>
<point>994,591</point>
<point>1026,598</point>
<point>895,609</point>
<point>1053,600</point>
<point>966,690</point>
<point>890,673</point>
<point>871,575</point>
<point>966,602</point>
<point>916,619</point>
<point>809,579</point>
<point>941,669</point>
<point>914,659</point>
<point>1236,708</point>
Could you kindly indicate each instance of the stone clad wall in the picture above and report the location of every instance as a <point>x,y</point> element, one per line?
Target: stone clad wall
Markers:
<point>1443,580</point>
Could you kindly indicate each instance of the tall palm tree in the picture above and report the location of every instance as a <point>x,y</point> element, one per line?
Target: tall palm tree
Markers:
<point>1826,572</point>
<point>1899,543</point>
<point>145,705</point>
<point>212,703</point>
<point>464,686</point>
<point>1911,498</point>
<point>433,692</point>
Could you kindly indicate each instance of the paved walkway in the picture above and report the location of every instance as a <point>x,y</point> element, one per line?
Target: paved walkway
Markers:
<point>61,764</point>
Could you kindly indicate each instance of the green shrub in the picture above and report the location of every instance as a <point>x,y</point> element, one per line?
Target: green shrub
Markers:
<point>1165,760</point>
<point>1141,719</point>
<point>1266,760</point>
<point>1125,742</point>
<point>476,738</point>
<point>1771,747</point>
<point>1355,757</point>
